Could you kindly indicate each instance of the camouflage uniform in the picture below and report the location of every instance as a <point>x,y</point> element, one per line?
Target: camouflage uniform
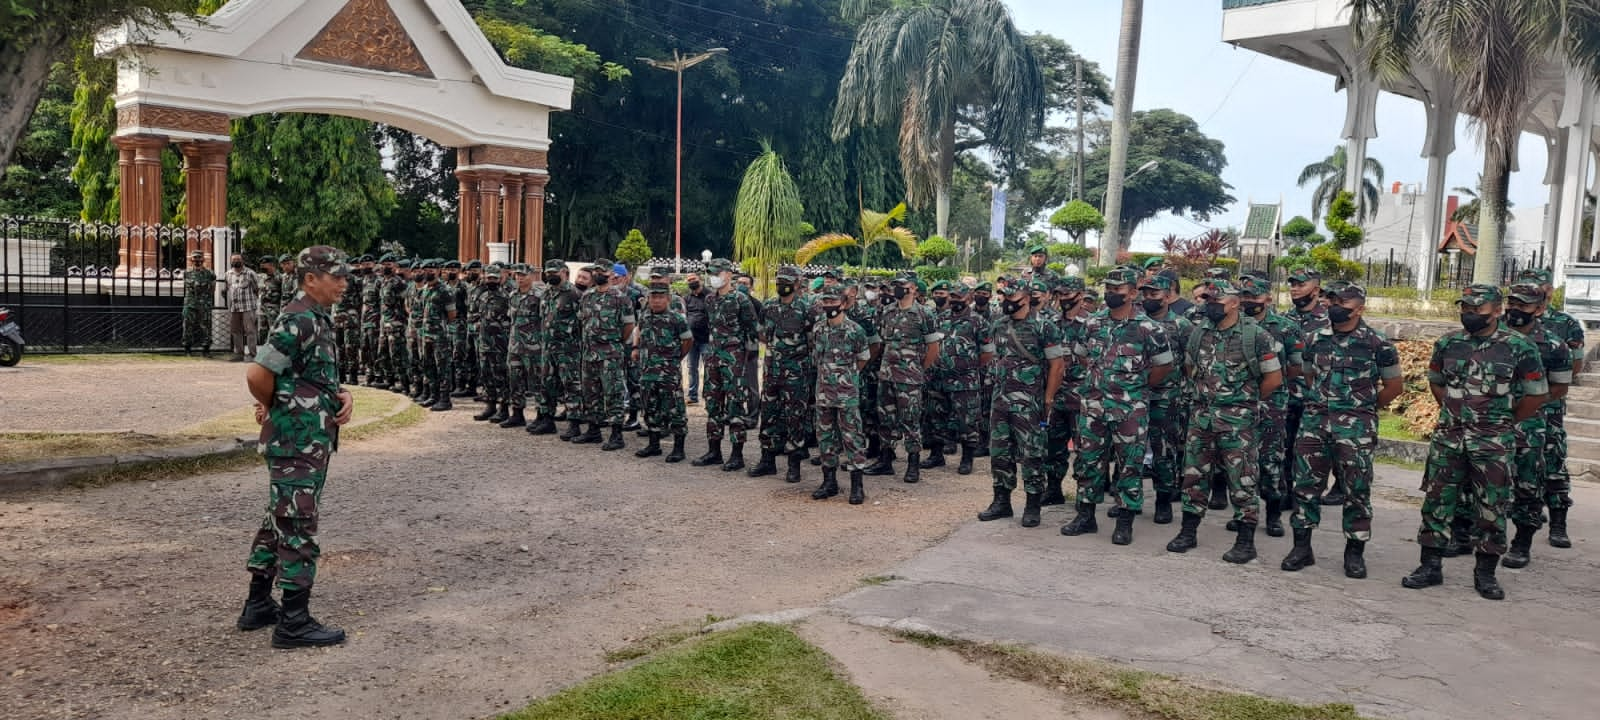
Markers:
<point>604,312</point>
<point>732,317</point>
<point>271,300</point>
<point>198,298</point>
<point>787,386</point>
<point>1062,434</point>
<point>437,302</point>
<point>456,331</point>
<point>907,333</point>
<point>957,413</point>
<point>414,311</point>
<point>562,334</point>
<point>1272,478</point>
<point>525,351</point>
<point>837,351</point>
<point>471,312</point>
<point>1312,319</point>
<point>1169,407</point>
<point>347,326</point>
<point>494,329</point>
<point>392,337</point>
<point>1024,351</point>
<point>661,336</point>
<point>1530,484</point>
<point>1558,483</point>
<point>865,314</point>
<point>371,321</point>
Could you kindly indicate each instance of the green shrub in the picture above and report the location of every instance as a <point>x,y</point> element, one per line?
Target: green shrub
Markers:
<point>634,249</point>
<point>935,273</point>
<point>936,250</point>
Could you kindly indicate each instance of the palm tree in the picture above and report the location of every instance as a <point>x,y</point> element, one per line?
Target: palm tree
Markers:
<point>1331,175</point>
<point>1121,122</point>
<point>767,216</point>
<point>1494,52</point>
<point>919,65</point>
<point>876,227</point>
<point>1471,212</point>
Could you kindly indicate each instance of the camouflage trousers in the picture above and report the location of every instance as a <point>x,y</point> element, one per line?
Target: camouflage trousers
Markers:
<point>197,326</point>
<point>1528,477</point>
<point>349,338</point>
<point>522,376</point>
<point>661,403</point>
<point>434,352</point>
<point>986,400</point>
<point>285,546</point>
<point>414,361</point>
<point>869,399</point>
<point>1111,456</point>
<point>1017,441</point>
<point>1557,483</point>
<point>492,366</point>
<point>1343,443</point>
<point>1060,437</point>
<point>955,414</point>
<point>461,359</point>
<point>392,354</point>
<point>604,385</point>
<point>1167,427</point>
<point>1231,450</point>
<point>1273,484</point>
<point>561,381</point>
<point>264,320</point>
<point>1471,470</point>
<point>840,439</point>
<point>900,415</point>
<point>369,351</point>
<point>786,397</point>
<point>726,395</point>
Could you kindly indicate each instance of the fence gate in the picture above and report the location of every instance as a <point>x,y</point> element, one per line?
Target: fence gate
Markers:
<point>64,282</point>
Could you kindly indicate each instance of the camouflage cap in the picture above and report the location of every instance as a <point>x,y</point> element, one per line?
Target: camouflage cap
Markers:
<point>988,287</point>
<point>556,265</point>
<point>1254,285</point>
<point>492,272</point>
<point>521,268</point>
<point>660,287</point>
<point>906,277</point>
<point>452,264</point>
<point>386,257</point>
<point>286,257</point>
<point>1222,286</point>
<point>474,265</point>
<point>403,263</point>
<point>788,274</point>
<point>719,265</point>
<point>834,273</point>
<point>1219,273</point>
<point>603,264</point>
<point>1037,249</point>
<point>1527,292</point>
<point>1121,276</point>
<point>831,293</point>
<point>1158,282</point>
<point>1351,291</point>
<point>1037,286</point>
<point>325,260</point>
<point>1011,284</point>
<point>1172,276</point>
<point>1304,275</point>
<point>1331,290</point>
<point>659,272</point>
<point>1479,294</point>
<point>960,289</point>
<point>1537,275</point>
<point>1091,294</point>
<point>427,264</point>
<point>271,260</point>
<point>197,254</point>
<point>1071,283</point>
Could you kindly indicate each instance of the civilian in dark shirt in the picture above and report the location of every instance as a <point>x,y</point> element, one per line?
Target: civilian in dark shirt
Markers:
<point>1181,306</point>
<point>694,309</point>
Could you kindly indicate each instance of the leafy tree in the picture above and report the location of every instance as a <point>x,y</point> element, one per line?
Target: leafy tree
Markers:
<point>766,220</point>
<point>935,250</point>
<point>935,273</point>
<point>1298,228</point>
<point>38,181</point>
<point>1187,180</point>
<point>426,193</point>
<point>1077,217</point>
<point>1345,234</point>
<point>876,229</point>
<point>1332,173</point>
<point>634,250</point>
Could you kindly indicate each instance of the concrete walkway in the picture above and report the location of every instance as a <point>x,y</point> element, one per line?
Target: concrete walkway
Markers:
<point>1313,636</point>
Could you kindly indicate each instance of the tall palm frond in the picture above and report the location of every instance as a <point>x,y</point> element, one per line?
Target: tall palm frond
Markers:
<point>1331,176</point>
<point>876,227</point>
<point>767,214</point>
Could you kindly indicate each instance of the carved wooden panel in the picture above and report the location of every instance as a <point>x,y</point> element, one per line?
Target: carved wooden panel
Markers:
<point>367,34</point>
<point>510,157</point>
<point>161,117</point>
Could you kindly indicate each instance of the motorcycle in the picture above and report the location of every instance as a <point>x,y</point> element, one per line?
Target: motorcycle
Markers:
<point>11,342</point>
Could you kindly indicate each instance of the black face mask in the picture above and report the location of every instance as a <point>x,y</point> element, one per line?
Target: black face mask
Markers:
<point>472,277</point>
<point>980,301</point>
<point>1010,307</point>
<point>582,287</point>
<point>1152,307</point>
<point>1339,314</point>
<point>1252,308</point>
<point>429,277</point>
<point>939,302</point>
<point>1216,312</point>
<point>1070,304</point>
<point>957,306</point>
<point>1474,322</point>
<point>1516,318</point>
<point>450,276</point>
<point>833,310</point>
<point>492,285</point>
<point>552,279</point>
<point>1116,300</point>
<point>238,265</point>
<point>694,287</point>
<point>901,291</point>
<point>388,271</point>
<point>601,280</point>
<point>785,289</point>
<point>1304,302</point>
<point>886,300</point>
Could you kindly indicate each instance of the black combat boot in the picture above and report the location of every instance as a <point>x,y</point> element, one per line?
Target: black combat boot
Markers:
<point>795,458</point>
<point>712,457</point>
<point>1483,577</point>
<point>653,449</point>
<point>767,465</point>
<point>965,468</point>
<point>1244,545</point>
<point>259,609</point>
<point>1084,523</point>
<point>516,420</point>
<point>1274,518</point>
<point>857,494</point>
<point>574,429</point>
<point>1429,573</point>
<point>1123,533</point>
<point>489,410</point>
<point>1355,561</point>
<point>632,422</point>
<point>830,485</point>
<point>935,457</point>
<point>1558,529</point>
<point>542,425</point>
<point>501,413</point>
<point>1460,539</point>
<point>1000,507</point>
<point>462,391</point>
<point>914,468</point>
<point>1030,511</point>
<point>1163,509</point>
<point>1219,494</point>
<point>296,628</point>
<point>441,401</point>
<point>676,455</point>
<point>425,398</point>
<point>615,441</point>
<point>884,464</point>
<point>1301,557</point>
<point>1052,493</point>
<point>589,437</point>
<point>735,458</point>
<point>1517,556</point>
<point>874,447</point>
<point>1334,495</point>
<point>1186,541</point>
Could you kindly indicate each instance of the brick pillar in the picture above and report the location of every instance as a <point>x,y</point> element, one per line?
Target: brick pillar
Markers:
<point>205,191</point>
<point>467,216</point>
<point>139,167</point>
<point>513,219</point>
<point>533,219</point>
<point>488,210</point>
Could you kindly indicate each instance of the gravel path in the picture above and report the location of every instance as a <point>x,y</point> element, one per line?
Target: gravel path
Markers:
<point>149,396</point>
<point>120,601</point>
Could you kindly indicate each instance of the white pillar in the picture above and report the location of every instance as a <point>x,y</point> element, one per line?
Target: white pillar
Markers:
<point>1554,177</point>
<point>1577,121</point>
<point>1437,147</point>
<point>1360,122</point>
<point>1594,237</point>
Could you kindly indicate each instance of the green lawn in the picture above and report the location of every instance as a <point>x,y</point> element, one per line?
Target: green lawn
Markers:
<point>757,672</point>
<point>1393,427</point>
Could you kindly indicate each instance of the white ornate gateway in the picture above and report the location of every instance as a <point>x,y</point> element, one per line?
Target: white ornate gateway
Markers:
<point>421,65</point>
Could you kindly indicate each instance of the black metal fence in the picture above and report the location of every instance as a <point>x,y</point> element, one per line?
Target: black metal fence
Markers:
<point>1452,271</point>
<point>71,292</point>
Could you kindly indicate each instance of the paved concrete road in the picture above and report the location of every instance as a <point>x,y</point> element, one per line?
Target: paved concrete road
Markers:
<point>1441,653</point>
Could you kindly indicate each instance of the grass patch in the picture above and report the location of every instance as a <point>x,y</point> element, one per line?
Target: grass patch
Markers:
<point>1137,692</point>
<point>653,643</point>
<point>877,579</point>
<point>22,447</point>
<point>1394,427</point>
<point>412,415</point>
<point>90,358</point>
<point>371,406</point>
<point>757,672</point>
<point>1398,462</point>
<point>167,469</point>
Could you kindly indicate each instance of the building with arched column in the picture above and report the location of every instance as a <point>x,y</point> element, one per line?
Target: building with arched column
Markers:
<point>420,65</point>
<point>1315,34</point>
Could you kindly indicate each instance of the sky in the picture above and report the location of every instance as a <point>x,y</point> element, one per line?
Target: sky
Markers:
<point>1273,117</point>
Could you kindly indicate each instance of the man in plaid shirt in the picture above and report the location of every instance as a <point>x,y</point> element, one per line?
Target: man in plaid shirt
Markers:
<point>244,299</point>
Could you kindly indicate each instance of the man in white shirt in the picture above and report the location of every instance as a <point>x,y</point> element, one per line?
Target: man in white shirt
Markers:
<point>244,300</point>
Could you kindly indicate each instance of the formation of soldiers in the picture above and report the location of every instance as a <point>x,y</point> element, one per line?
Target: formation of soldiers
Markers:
<point>1222,401</point>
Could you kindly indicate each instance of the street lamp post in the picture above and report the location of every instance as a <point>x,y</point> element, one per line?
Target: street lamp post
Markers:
<point>678,64</point>
<point>1147,166</point>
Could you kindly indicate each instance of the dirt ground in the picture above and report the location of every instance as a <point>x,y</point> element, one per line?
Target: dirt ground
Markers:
<point>475,569</point>
<point>148,396</point>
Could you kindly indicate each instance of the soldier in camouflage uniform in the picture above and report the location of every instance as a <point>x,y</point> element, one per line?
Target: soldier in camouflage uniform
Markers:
<point>300,406</point>
<point>271,297</point>
<point>1558,484</point>
<point>494,331</point>
<point>608,321</point>
<point>864,310</point>
<point>1029,362</point>
<point>288,281</point>
<point>958,413</point>
<point>840,349</point>
<point>788,383</point>
<point>1232,365</point>
<point>1310,313</point>
<point>433,338</point>
<point>371,324</point>
<point>199,295</point>
<point>911,341</point>
<point>413,299</point>
<point>347,326</point>
<point>1255,302</point>
<point>1063,430</point>
<point>658,350</point>
<point>1531,483</point>
<point>455,292</point>
<point>524,351</point>
<point>1169,406</point>
<point>560,379</point>
<point>467,363</point>
<point>1486,379</point>
<point>1124,354</point>
<point>1039,268</point>
<point>732,317</point>
<point>982,294</point>
<point>392,319</point>
<point>1351,371</point>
